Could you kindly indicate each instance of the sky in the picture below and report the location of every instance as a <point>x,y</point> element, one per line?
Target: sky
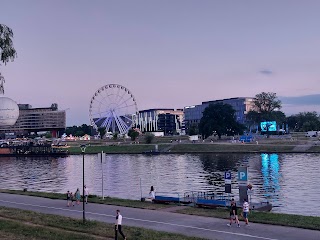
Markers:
<point>168,53</point>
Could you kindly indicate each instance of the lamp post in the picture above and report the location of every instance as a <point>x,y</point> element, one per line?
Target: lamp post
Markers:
<point>83,149</point>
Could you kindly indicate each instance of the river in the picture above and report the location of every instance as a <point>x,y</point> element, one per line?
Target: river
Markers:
<point>288,181</point>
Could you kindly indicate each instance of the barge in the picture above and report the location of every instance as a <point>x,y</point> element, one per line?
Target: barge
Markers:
<point>33,150</point>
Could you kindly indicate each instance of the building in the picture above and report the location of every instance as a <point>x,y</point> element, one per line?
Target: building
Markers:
<point>242,105</point>
<point>33,120</point>
<point>168,121</point>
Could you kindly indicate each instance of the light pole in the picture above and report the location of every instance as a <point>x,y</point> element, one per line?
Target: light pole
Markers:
<point>83,149</point>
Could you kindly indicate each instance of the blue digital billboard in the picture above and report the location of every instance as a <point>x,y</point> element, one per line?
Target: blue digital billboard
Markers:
<point>272,125</point>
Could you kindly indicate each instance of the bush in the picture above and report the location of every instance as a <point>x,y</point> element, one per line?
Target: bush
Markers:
<point>149,138</point>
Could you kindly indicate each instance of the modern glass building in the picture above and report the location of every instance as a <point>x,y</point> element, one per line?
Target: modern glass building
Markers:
<point>38,120</point>
<point>242,105</point>
<point>168,121</point>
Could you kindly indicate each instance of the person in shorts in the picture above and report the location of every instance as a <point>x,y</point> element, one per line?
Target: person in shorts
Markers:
<point>72,198</point>
<point>68,199</point>
<point>233,213</point>
<point>245,211</point>
<point>86,194</point>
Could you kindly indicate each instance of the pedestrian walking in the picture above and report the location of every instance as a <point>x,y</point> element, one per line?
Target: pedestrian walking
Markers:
<point>68,198</point>
<point>72,198</point>
<point>118,225</point>
<point>86,194</point>
<point>233,213</point>
<point>152,194</point>
<point>245,211</point>
<point>77,196</point>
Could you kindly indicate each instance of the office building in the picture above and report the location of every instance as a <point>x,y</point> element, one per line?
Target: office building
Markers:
<point>168,121</point>
<point>242,105</point>
<point>33,120</point>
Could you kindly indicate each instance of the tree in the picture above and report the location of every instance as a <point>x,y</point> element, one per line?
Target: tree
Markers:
<point>266,108</point>
<point>149,138</point>
<point>115,136</point>
<point>102,131</point>
<point>7,51</point>
<point>219,118</point>
<point>48,135</point>
<point>133,134</point>
<point>266,102</point>
<point>79,130</point>
<point>193,130</point>
<point>304,121</point>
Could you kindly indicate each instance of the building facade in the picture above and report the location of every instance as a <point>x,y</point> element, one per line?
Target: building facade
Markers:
<point>38,120</point>
<point>242,105</point>
<point>168,121</point>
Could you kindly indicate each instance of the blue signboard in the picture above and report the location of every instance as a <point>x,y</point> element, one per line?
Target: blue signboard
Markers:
<point>242,174</point>
<point>227,175</point>
<point>227,181</point>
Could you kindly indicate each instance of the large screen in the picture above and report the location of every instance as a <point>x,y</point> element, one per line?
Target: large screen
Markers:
<point>271,124</point>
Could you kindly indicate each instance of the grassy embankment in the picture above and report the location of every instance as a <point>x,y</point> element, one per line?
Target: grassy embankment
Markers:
<point>273,144</point>
<point>291,220</point>
<point>307,222</point>
<point>21,224</point>
<point>92,199</point>
<point>188,148</point>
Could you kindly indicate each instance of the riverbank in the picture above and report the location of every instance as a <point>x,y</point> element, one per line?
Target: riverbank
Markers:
<point>223,147</point>
<point>22,224</point>
<point>306,222</point>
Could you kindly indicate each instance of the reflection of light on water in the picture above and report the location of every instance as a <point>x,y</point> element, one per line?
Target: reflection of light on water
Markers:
<point>270,173</point>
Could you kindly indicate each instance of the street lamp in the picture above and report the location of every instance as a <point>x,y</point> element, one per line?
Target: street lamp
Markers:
<point>83,149</point>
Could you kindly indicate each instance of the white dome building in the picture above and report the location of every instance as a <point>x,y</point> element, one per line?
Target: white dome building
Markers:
<point>9,111</point>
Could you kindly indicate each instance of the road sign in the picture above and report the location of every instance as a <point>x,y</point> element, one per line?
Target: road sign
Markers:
<point>227,177</point>
<point>242,174</point>
<point>227,181</point>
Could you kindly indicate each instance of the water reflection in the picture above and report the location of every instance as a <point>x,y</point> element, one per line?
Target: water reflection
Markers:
<point>281,178</point>
<point>271,176</point>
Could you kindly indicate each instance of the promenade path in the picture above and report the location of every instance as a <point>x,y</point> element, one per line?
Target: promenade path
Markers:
<point>209,228</point>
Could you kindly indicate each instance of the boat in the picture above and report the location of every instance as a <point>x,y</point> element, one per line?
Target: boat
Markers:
<point>208,199</point>
<point>151,152</point>
<point>33,150</point>
<point>172,197</point>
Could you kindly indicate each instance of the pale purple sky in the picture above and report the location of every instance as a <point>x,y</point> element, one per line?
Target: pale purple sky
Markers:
<point>170,54</point>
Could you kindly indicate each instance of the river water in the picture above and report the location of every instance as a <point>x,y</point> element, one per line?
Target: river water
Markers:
<point>288,181</point>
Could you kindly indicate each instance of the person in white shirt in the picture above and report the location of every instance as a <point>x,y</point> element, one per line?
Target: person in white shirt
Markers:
<point>245,211</point>
<point>152,194</point>
<point>86,194</point>
<point>118,225</point>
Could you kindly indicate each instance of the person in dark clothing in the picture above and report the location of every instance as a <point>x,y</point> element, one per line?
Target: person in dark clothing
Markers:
<point>233,213</point>
<point>118,225</point>
<point>68,199</point>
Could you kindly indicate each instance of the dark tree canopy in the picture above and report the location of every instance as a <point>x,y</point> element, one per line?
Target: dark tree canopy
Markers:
<point>266,108</point>
<point>133,134</point>
<point>79,130</point>
<point>304,121</point>
<point>219,119</point>
<point>7,50</point>
<point>102,131</point>
<point>266,102</point>
<point>193,129</point>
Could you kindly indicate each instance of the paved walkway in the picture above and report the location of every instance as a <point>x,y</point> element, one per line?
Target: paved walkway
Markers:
<point>210,228</point>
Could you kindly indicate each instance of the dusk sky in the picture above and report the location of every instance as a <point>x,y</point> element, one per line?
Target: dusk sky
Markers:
<point>169,54</point>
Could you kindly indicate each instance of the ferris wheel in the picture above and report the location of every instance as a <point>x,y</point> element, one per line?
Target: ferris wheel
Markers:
<point>114,108</point>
